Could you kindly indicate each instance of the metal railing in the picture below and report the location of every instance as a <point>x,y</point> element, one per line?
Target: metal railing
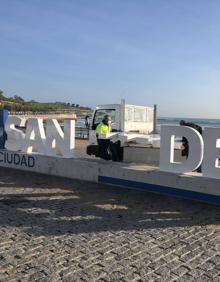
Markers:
<point>81,132</point>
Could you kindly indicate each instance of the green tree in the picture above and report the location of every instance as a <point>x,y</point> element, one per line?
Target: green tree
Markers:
<point>7,107</point>
<point>2,97</point>
<point>18,98</point>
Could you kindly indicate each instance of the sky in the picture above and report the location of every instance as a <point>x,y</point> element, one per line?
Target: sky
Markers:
<point>90,52</point>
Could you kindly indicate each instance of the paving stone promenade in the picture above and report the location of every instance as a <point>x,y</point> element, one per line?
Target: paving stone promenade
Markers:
<point>54,229</point>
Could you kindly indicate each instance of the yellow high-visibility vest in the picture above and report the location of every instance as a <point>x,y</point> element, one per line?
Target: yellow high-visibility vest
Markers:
<point>103,129</point>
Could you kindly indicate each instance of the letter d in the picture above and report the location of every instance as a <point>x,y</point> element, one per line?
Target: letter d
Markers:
<point>196,146</point>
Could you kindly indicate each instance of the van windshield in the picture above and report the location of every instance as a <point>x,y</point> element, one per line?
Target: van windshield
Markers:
<point>99,115</point>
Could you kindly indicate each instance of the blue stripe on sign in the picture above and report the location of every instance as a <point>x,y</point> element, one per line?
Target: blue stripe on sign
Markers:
<point>213,199</point>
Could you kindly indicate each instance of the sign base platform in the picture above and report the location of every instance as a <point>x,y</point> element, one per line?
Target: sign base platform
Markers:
<point>135,176</point>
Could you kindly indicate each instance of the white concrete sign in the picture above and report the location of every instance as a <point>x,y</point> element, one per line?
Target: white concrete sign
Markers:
<point>51,141</point>
<point>35,138</point>
<point>210,164</point>
<point>15,137</point>
<point>202,150</point>
<point>194,160</point>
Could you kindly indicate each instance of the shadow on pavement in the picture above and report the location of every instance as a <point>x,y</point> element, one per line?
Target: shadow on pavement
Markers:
<point>44,205</point>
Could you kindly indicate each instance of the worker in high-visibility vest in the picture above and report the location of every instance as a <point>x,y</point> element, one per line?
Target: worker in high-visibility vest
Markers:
<point>105,126</point>
<point>104,144</point>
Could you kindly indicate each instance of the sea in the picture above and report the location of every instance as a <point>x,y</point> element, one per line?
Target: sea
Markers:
<point>171,121</point>
<point>200,121</point>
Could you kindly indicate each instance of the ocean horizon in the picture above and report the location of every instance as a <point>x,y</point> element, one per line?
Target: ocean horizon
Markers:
<point>171,121</point>
<point>200,121</point>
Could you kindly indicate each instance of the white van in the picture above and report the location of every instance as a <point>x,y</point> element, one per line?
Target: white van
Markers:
<point>125,118</point>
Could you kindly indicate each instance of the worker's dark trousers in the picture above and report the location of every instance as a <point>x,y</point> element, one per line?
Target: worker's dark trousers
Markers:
<point>104,149</point>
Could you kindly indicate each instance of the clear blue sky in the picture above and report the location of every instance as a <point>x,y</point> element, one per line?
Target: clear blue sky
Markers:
<point>90,52</point>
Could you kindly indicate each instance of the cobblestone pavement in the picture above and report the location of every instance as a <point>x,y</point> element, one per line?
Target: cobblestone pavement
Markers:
<point>54,229</point>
